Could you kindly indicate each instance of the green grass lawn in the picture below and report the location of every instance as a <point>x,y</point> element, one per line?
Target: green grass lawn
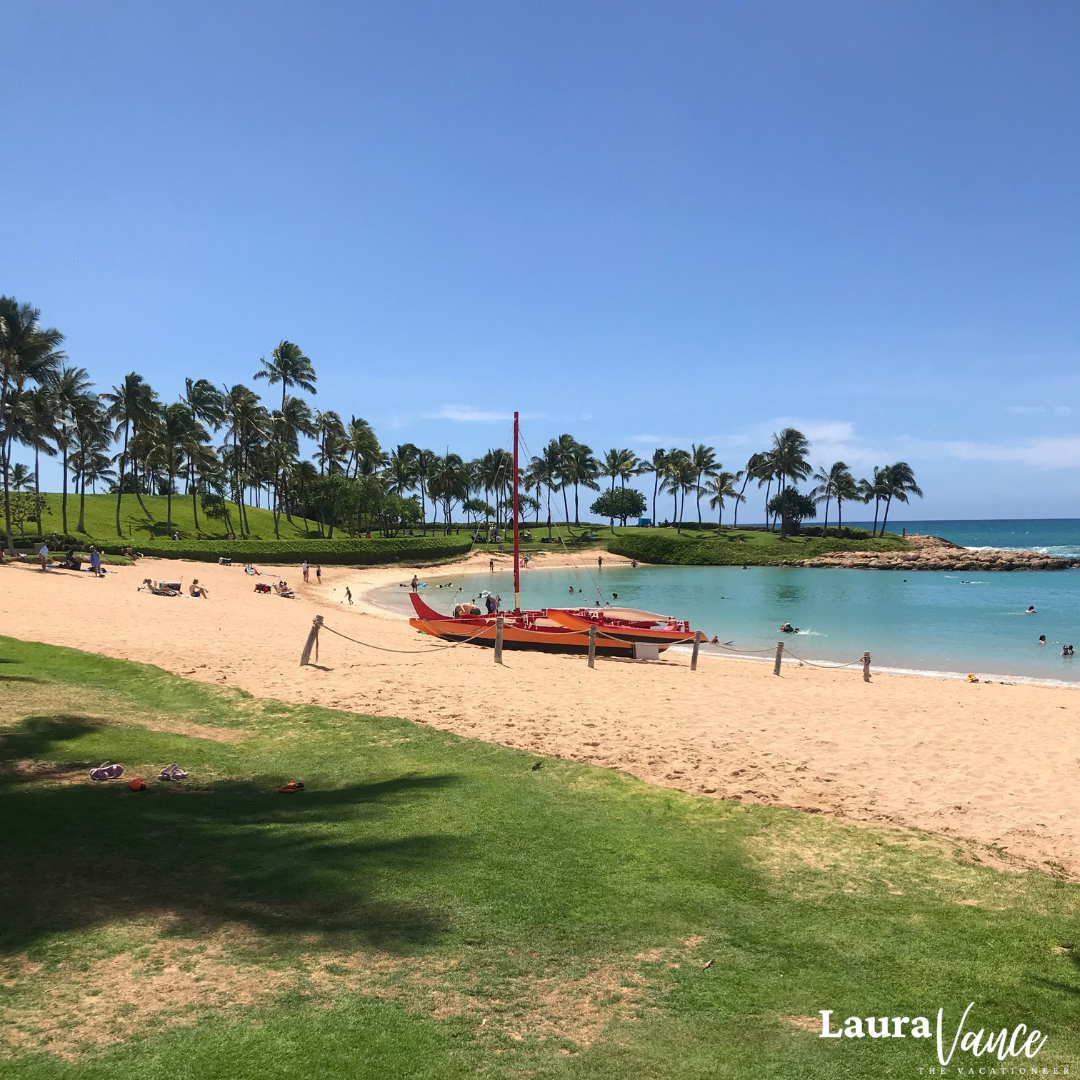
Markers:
<point>434,907</point>
<point>101,519</point>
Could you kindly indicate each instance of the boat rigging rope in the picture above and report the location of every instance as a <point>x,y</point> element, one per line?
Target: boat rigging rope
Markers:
<point>383,648</point>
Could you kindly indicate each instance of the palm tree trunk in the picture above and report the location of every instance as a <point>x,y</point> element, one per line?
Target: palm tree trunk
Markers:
<point>120,485</point>
<point>768,492</point>
<point>5,453</point>
<point>577,516</point>
<point>37,487</point>
<point>195,504</point>
<point>566,507</point>
<point>885,519</point>
<point>656,481</point>
<point>840,518</point>
<point>63,498</point>
<point>168,505</point>
<point>877,507</point>
<point>825,527</point>
<point>82,504</point>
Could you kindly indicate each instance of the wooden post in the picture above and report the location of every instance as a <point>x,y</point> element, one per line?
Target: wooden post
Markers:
<point>693,655</point>
<point>312,640</point>
<point>592,645</point>
<point>866,667</point>
<point>779,657</point>
<point>498,638</point>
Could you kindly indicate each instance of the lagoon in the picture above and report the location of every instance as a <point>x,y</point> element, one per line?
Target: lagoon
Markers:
<point>922,621</point>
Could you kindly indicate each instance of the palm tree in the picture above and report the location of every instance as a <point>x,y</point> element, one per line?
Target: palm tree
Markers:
<point>765,474</point>
<point>680,476</point>
<point>899,484</point>
<point>875,489</point>
<point>721,486</point>
<point>704,459</point>
<point>559,453</point>
<point>847,490</point>
<point>751,472</point>
<point>830,483</point>
<point>92,438</point>
<point>38,419</point>
<point>72,389</point>
<point>788,454</point>
<point>581,469</point>
<point>542,473</point>
<point>620,465</point>
<point>246,422</point>
<point>129,406</point>
<point>28,352</point>
<point>290,367</point>
<point>656,466</point>
<point>20,476</point>
<point>332,451</point>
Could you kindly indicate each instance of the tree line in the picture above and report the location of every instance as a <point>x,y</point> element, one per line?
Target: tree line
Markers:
<point>228,446</point>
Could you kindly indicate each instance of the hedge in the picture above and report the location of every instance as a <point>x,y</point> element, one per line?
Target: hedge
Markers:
<point>330,552</point>
<point>673,551</point>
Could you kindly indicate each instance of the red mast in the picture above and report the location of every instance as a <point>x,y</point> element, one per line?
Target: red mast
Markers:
<point>517,581</point>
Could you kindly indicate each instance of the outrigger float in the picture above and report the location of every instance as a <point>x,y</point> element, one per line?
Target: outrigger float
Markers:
<point>564,630</point>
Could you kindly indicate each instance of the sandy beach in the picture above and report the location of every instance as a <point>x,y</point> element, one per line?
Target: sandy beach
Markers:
<point>992,763</point>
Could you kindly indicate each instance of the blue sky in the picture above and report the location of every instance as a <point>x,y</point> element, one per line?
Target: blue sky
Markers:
<point>643,223</point>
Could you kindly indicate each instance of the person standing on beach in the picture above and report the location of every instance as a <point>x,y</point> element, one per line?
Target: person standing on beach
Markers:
<point>304,570</point>
<point>415,583</point>
<point>95,561</point>
<point>43,553</point>
<point>348,594</point>
<point>318,575</point>
<point>600,562</point>
<point>491,565</point>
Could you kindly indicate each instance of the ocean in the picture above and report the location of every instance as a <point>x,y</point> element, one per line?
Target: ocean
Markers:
<point>909,620</point>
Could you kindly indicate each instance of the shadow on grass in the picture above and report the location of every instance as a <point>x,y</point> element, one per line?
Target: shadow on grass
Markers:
<point>327,862</point>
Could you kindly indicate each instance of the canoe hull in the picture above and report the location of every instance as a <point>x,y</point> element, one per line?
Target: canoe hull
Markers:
<point>515,637</point>
<point>662,638</point>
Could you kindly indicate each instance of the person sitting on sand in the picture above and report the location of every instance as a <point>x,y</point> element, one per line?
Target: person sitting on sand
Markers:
<point>158,589</point>
<point>715,640</point>
<point>1042,639</point>
<point>198,590</point>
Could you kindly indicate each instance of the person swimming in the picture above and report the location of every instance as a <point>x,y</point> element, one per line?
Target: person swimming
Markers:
<point>1031,610</point>
<point>1042,639</point>
<point>787,628</point>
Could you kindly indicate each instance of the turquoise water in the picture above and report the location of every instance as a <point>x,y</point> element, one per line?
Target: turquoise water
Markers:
<point>919,620</point>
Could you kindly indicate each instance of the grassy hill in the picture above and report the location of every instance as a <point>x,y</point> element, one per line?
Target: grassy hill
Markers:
<point>101,519</point>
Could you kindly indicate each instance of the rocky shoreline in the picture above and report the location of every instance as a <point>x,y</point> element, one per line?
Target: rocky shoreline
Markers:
<point>933,553</point>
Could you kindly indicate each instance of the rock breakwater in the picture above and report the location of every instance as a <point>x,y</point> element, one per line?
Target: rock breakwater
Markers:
<point>933,553</point>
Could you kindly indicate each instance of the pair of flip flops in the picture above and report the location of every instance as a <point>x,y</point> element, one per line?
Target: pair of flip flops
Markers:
<point>105,771</point>
<point>290,787</point>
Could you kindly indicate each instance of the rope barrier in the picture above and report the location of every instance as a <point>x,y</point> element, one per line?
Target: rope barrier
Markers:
<point>430,648</point>
<point>850,663</point>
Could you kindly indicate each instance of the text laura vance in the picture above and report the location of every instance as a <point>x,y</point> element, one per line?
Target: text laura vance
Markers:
<point>1004,1043</point>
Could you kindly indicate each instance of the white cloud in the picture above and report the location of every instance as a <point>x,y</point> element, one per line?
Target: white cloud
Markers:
<point>1051,453</point>
<point>466,414</point>
<point>1025,410</point>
